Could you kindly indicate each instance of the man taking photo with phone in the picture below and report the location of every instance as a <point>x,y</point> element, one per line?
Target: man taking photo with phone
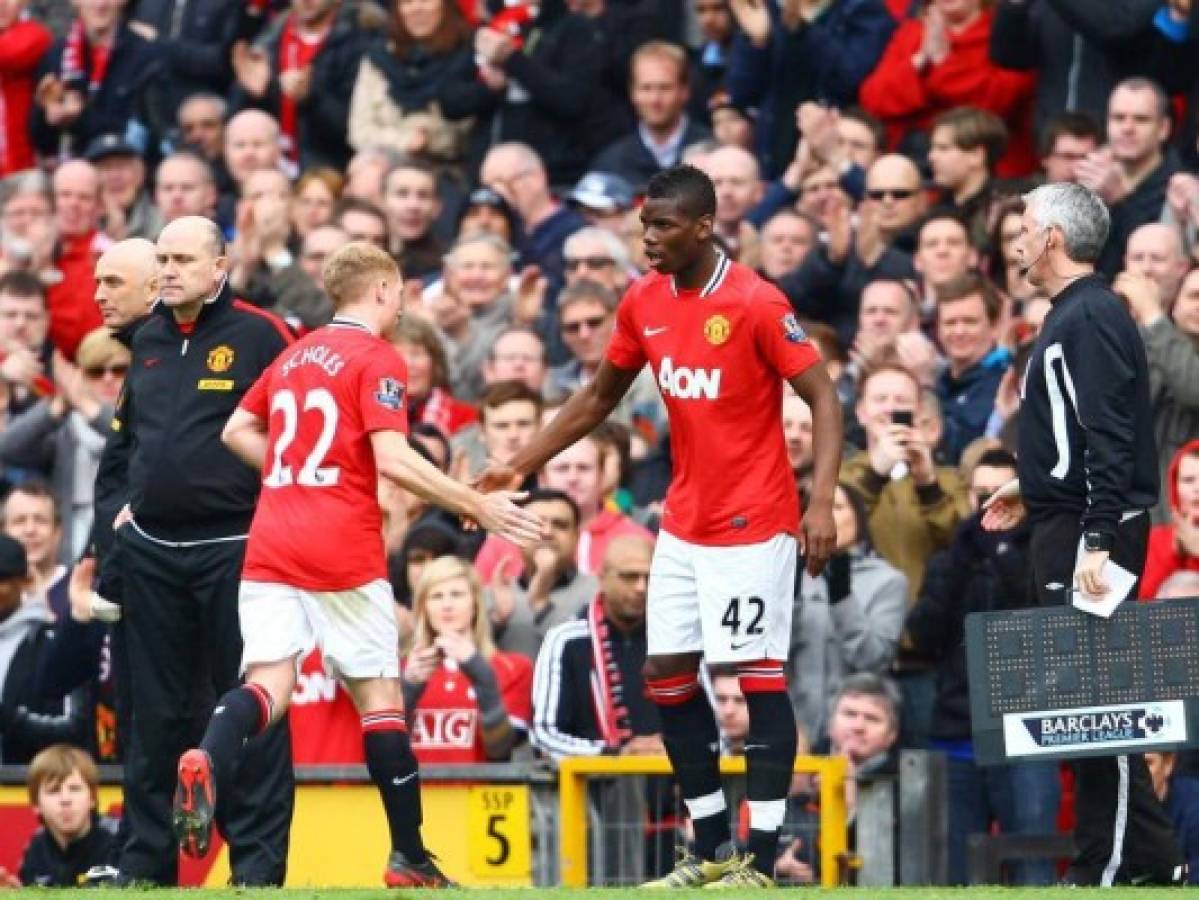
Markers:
<point>913,506</point>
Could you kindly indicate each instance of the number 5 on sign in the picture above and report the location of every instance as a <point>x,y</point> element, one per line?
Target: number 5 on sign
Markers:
<point>498,833</point>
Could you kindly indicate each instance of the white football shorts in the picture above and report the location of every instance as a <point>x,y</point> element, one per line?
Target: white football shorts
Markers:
<point>733,604</point>
<point>355,629</point>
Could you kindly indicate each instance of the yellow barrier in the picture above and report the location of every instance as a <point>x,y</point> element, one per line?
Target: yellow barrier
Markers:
<point>573,773</point>
<point>481,833</point>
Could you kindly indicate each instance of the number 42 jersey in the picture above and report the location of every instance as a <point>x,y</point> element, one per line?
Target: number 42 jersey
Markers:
<point>720,355</point>
<point>318,525</point>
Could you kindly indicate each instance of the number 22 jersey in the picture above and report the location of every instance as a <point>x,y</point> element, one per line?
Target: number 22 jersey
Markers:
<point>318,525</point>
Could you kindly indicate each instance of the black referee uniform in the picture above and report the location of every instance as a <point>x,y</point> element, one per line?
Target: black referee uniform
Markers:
<point>179,563</point>
<point>1088,465</point>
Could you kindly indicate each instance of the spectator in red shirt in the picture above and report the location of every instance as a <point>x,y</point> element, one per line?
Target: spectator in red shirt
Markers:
<point>1174,547</point>
<point>940,61</point>
<point>73,311</point>
<point>467,702</point>
<point>23,41</point>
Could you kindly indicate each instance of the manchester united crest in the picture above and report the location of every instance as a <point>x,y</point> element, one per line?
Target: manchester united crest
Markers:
<point>220,358</point>
<point>717,330</point>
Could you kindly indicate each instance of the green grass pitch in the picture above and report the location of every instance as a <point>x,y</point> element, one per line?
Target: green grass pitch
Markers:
<point>977,893</point>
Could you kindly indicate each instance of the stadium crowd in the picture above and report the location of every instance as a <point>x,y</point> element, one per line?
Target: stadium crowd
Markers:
<point>869,158</point>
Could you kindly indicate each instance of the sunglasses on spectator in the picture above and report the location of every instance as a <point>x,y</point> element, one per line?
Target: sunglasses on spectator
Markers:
<point>591,262</point>
<point>592,323</point>
<point>117,369</point>
<point>893,193</point>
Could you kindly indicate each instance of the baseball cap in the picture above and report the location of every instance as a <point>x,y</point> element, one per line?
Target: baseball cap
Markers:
<point>107,145</point>
<point>603,192</point>
<point>485,196</point>
<point>13,562</point>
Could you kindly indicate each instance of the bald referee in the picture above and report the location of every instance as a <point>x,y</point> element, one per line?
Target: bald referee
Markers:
<point>1088,471</point>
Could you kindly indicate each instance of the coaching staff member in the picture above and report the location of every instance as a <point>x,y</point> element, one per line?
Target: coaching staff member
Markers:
<point>179,547</point>
<point>1088,470</point>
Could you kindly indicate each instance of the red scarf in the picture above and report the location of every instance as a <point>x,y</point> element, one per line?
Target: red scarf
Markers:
<point>607,689</point>
<point>294,53</point>
<point>83,66</point>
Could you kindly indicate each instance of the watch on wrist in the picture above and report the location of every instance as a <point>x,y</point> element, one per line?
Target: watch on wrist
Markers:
<point>1098,541</point>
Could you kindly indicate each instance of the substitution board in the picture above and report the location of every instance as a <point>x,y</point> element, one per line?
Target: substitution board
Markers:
<point>1055,682</point>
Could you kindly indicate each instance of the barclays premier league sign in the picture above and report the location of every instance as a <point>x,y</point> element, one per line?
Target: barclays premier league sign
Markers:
<point>1109,727</point>
<point>1056,683</point>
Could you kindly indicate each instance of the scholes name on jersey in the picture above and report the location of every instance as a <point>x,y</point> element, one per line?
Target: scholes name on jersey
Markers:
<point>315,355</point>
<point>685,383</point>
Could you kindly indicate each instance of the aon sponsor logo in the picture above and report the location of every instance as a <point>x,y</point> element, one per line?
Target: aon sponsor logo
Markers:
<point>688,384</point>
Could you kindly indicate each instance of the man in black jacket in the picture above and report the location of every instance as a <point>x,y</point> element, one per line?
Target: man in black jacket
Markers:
<point>92,82</point>
<point>1088,476</point>
<point>308,93</point>
<point>1079,49</point>
<point>195,38</point>
<point>539,89</point>
<point>28,721</point>
<point>605,647</point>
<point>126,287</point>
<point>179,545</point>
<point>1132,171</point>
<point>659,88</point>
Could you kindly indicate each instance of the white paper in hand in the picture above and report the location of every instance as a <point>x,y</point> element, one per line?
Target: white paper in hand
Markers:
<point>1119,582</point>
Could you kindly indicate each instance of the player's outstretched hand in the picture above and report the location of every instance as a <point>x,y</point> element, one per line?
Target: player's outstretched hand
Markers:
<point>1004,509</point>
<point>819,537</point>
<point>496,477</point>
<point>498,512</point>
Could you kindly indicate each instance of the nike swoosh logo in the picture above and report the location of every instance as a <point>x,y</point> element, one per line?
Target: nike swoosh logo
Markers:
<point>651,332</point>
<point>749,747</point>
<point>397,781</point>
<point>740,646</point>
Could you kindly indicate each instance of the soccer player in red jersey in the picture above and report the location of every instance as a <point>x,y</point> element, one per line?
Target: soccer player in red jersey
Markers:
<point>324,422</point>
<point>721,341</point>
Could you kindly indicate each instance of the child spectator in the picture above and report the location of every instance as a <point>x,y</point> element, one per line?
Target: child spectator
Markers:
<point>74,840</point>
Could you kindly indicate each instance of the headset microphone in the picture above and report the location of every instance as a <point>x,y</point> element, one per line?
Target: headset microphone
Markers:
<point>1025,269</point>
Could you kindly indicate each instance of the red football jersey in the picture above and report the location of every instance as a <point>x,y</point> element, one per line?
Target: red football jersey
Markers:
<point>720,355</point>
<point>318,525</point>
<point>444,725</point>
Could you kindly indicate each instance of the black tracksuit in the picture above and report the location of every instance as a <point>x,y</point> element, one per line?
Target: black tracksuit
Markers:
<point>180,564</point>
<point>1088,462</point>
<point>46,864</point>
<point>30,721</point>
<point>564,717</point>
